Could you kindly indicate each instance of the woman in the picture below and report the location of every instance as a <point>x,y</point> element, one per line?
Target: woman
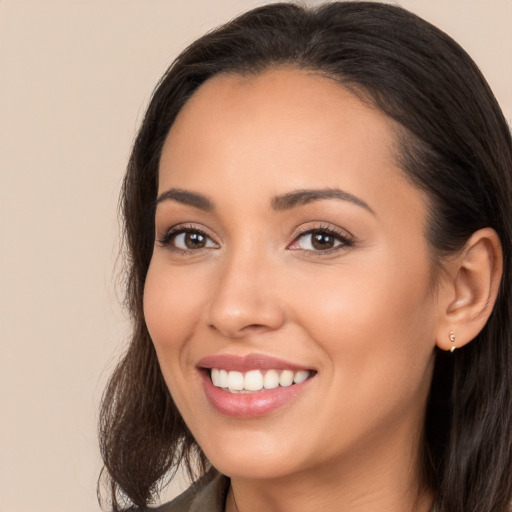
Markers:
<point>318,220</point>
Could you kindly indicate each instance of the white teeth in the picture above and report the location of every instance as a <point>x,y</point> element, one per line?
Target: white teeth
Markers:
<point>235,381</point>
<point>271,380</point>
<point>255,380</point>
<point>215,377</point>
<point>286,378</point>
<point>300,377</point>
<point>223,378</point>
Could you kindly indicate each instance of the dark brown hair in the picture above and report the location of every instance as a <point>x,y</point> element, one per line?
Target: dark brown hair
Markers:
<point>456,146</point>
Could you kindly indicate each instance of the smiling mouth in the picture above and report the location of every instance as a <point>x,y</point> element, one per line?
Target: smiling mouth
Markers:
<point>256,380</point>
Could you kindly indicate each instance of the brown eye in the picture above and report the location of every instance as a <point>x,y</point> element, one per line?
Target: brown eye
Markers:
<point>194,240</point>
<point>189,240</point>
<point>322,241</point>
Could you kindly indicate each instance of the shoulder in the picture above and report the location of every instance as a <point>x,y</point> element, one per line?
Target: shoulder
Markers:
<point>208,494</point>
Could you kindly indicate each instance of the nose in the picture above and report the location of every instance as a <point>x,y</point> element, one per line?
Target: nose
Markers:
<point>245,301</point>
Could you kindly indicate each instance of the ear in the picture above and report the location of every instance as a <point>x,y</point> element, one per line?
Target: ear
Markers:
<point>469,294</point>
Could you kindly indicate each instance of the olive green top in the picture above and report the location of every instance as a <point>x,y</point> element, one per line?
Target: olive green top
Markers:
<point>208,494</point>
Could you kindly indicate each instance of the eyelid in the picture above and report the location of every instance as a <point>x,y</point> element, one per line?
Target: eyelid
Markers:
<point>171,233</point>
<point>347,239</point>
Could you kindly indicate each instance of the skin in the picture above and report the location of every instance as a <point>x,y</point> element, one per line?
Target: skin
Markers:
<point>364,316</point>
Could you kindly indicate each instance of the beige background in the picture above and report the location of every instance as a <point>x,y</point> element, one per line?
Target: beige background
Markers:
<point>75,76</point>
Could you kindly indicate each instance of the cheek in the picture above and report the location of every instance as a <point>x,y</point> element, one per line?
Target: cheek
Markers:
<point>380,346</point>
<point>171,313</point>
<point>170,309</point>
<point>375,323</point>
<point>363,297</point>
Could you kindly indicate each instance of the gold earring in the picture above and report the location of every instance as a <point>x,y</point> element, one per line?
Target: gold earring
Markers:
<point>452,339</point>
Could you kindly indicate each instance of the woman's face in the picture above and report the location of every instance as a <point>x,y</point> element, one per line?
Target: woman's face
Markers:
<point>290,246</point>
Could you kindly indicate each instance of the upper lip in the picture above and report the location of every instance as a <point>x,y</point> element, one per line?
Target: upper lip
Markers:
<point>249,362</point>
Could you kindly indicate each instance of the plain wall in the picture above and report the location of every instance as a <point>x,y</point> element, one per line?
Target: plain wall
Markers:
<point>75,76</point>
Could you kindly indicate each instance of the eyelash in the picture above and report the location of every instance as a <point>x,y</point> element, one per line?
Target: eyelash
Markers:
<point>173,233</point>
<point>345,240</point>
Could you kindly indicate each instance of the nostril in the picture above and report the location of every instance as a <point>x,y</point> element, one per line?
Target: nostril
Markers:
<point>239,332</point>
<point>255,326</point>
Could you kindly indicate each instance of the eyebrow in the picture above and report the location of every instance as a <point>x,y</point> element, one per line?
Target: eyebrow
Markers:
<point>279,203</point>
<point>302,197</point>
<point>188,198</point>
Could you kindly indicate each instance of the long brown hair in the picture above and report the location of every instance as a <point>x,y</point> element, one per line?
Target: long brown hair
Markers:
<point>457,148</point>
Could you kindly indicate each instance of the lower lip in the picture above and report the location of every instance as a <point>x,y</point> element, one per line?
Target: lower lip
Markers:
<point>251,405</point>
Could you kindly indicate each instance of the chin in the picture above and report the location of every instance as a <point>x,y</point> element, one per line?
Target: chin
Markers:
<point>257,469</point>
<point>247,457</point>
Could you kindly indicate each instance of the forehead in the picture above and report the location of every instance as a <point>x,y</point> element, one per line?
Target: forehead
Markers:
<point>281,130</point>
<point>286,100</point>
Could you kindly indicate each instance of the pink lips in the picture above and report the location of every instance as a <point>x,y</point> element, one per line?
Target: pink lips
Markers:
<point>246,363</point>
<point>251,405</point>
